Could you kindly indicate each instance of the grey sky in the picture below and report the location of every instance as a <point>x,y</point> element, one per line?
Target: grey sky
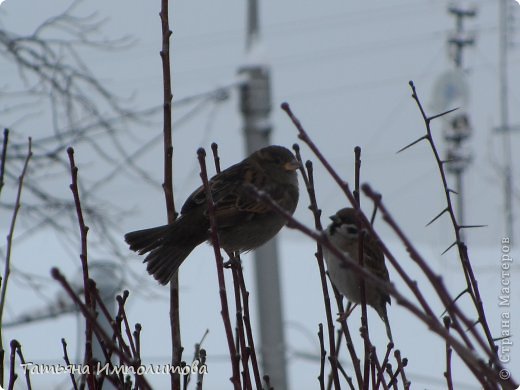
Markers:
<point>344,67</point>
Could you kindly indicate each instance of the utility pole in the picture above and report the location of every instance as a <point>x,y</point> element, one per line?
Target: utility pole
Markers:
<point>504,127</point>
<point>109,282</point>
<point>458,128</point>
<point>255,105</point>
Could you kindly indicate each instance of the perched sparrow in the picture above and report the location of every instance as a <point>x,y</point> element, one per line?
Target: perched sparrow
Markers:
<point>243,222</point>
<point>343,233</point>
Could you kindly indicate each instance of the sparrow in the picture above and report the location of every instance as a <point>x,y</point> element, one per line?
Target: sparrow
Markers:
<point>244,223</point>
<point>343,234</point>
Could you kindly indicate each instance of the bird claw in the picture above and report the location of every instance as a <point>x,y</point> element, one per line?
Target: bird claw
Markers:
<point>233,262</point>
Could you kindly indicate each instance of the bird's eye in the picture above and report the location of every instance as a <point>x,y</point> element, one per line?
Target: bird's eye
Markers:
<point>352,230</point>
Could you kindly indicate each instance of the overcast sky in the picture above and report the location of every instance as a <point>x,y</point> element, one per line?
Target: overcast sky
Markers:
<point>344,67</point>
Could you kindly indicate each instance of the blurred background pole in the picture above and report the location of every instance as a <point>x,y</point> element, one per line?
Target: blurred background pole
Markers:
<point>458,129</point>
<point>109,282</point>
<point>504,117</point>
<point>255,105</point>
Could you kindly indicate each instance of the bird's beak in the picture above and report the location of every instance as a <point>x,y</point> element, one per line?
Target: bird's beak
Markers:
<point>334,218</point>
<point>291,165</point>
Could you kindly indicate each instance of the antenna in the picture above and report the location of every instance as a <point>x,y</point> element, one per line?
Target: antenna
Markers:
<point>452,90</point>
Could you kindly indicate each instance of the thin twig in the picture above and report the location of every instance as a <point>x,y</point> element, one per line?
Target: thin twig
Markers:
<point>480,370</point>
<point>348,339</point>
<point>466,264</point>
<point>381,372</point>
<point>115,325</point>
<point>175,327</point>
<point>323,354</point>
<point>357,171</point>
<point>392,382</point>
<point>83,231</point>
<point>167,112</point>
<point>7,265</point>
<point>241,314</point>
<point>96,327</point>
<point>196,356</point>
<point>23,364</point>
<point>216,158</point>
<point>473,362</point>
<point>235,379</point>
<point>364,315</point>
<point>137,340</point>
<point>240,325</point>
<point>308,178</point>
<point>402,363</point>
<point>67,362</point>
<point>12,374</point>
<point>447,373</point>
<point>121,300</point>
<point>3,157</point>
<point>177,348</point>
<point>200,374</point>
<point>475,365</point>
<point>360,259</point>
<point>249,331</point>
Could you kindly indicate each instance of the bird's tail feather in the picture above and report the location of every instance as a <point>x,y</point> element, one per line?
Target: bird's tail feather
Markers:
<point>168,247</point>
<point>384,316</point>
<point>143,241</point>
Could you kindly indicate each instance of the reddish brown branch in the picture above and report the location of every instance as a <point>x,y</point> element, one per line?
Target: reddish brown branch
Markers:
<point>23,363</point>
<point>175,326</point>
<point>323,355</point>
<point>102,336</point>
<point>3,157</point>
<point>360,259</point>
<point>240,326</point>
<point>67,362</point>
<point>308,178</point>
<point>167,112</point>
<point>348,339</point>
<point>447,373</point>
<point>401,364</point>
<point>381,372</point>
<point>249,331</point>
<point>114,324</point>
<point>12,374</point>
<point>83,231</point>
<point>242,312</point>
<point>463,255</point>
<point>7,265</point>
<point>481,371</point>
<point>364,316</point>
<point>235,379</point>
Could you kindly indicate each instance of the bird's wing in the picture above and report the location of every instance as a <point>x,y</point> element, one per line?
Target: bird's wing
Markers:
<point>375,261</point>
<point>233,200</point>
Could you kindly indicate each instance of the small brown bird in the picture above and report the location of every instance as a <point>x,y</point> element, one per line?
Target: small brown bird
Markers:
<point>343,233</point>
<point>243,222</point>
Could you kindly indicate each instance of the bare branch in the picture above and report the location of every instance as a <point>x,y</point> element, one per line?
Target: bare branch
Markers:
<point>235,379</point>
<point>7,266</point>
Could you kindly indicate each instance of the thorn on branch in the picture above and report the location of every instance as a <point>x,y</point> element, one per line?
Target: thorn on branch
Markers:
<point>448,248</point>
<point>442,114</point>
<point>437,217</point>
<point>466,290</point>
<point>412,144</point>
<point>471,226</point>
